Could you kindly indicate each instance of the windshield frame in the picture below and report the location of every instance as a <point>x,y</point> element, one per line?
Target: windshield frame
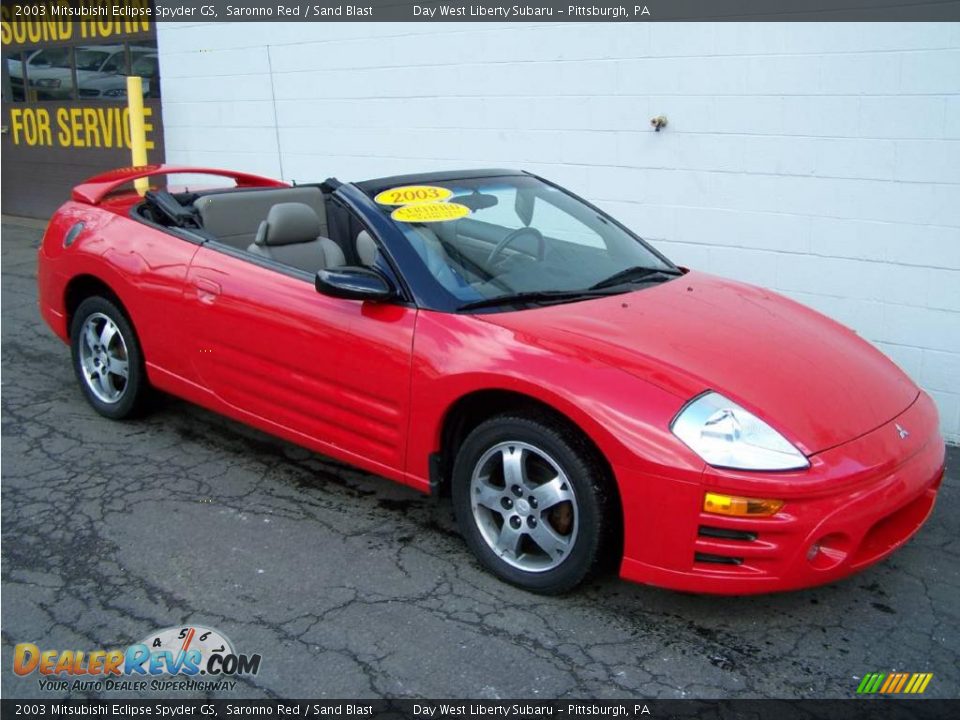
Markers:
<point>429,293</point>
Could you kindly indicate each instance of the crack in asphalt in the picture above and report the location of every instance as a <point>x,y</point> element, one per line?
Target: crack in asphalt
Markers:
<point>351,586</point>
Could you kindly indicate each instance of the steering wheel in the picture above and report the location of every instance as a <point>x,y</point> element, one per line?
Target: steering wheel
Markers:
<point>510,237</point>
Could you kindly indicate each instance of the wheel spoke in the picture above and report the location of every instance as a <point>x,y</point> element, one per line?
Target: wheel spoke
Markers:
<point>119,367</point>
<point>488,496</point>
<point>549,540</point>
<point>90,335</point>
<point>106,335</point>
<point>509,540</point>
<point>513,466</point>
<point>103,380</point>
<point>552,493</point>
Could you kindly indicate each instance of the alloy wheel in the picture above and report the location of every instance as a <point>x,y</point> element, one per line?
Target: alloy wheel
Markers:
<point>104,358</point>
<point>524,506</point>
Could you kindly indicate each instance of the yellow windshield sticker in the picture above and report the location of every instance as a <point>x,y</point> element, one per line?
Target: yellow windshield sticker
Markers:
<point>430,212</point>
<point>409,194</point>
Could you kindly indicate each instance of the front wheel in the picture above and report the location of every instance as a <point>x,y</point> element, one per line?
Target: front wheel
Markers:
<point>107,359</point>
<point>533,502</point>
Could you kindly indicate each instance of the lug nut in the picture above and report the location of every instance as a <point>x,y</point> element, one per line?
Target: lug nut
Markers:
<point>515,522</point>
<point>517,490</point>
<point>533,502</point>
<point>507,503</point>
<point>532,521</point>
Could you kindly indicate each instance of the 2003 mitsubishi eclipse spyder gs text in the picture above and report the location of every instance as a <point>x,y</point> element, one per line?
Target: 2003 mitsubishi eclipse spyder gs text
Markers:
<point>583,398</point>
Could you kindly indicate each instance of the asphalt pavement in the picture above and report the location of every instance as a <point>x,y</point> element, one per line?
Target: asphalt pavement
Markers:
<point>351,586</point>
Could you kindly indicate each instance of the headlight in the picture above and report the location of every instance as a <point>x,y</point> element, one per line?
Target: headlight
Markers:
<point>46,83</point>
<point>725,435</point>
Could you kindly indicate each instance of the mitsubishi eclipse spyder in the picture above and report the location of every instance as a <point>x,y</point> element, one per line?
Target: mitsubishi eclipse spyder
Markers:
<point>489,334</point>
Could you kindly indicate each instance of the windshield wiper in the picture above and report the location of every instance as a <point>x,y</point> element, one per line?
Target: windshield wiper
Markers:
<point>538,296</point>
<point>635,274</point>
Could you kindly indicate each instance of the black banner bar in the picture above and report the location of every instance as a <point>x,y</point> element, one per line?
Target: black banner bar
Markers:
<point>39,11</point>
<point>857,709</point>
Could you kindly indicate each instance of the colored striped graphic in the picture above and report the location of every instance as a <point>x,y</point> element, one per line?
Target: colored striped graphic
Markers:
<point>893,683</point>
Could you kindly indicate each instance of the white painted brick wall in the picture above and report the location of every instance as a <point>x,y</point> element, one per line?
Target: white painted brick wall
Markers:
<point>820,160</point>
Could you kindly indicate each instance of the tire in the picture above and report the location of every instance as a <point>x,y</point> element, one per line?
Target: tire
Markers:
<point>563,508</point>
<point>107,359</point>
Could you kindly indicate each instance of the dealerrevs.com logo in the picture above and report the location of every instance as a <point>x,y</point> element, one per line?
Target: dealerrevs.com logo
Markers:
<point>173,658</point>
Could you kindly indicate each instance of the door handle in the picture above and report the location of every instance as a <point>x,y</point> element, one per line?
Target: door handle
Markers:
<point>207,290</point>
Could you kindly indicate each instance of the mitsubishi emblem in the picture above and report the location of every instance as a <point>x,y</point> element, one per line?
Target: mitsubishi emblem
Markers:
<point>904,434</point>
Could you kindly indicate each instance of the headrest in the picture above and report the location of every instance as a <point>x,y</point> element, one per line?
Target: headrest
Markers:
<point>366,248</point>
<point>289,223</point>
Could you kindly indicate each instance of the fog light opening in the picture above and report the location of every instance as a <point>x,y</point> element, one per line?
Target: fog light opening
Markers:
<point>829,551</point>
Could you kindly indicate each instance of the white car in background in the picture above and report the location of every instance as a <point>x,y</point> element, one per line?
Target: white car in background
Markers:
<point>114,87</point>
<point>48,72</point>
<point>101,72</point>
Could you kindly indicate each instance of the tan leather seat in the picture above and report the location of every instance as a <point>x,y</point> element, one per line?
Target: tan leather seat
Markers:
<point>367,249</point>
<point>291,235</point>
<point>233,217</point>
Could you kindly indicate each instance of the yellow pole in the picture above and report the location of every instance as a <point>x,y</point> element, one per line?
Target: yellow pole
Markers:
<point>138,132</point>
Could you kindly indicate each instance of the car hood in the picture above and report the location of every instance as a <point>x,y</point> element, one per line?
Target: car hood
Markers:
<point>809,377</point>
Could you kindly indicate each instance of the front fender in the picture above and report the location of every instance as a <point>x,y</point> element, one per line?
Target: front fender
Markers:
<point>626,417</point>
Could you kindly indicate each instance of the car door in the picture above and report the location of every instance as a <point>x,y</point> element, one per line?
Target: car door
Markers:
<point>282,356</point>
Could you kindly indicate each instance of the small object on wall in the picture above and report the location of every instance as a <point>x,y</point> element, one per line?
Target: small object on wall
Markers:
<point>660,121</point>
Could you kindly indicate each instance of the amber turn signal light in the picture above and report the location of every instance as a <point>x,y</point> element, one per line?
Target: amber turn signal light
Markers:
<point>740,506</point>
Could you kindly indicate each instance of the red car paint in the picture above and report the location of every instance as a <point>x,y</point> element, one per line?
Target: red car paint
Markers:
<point>95,189</point>
<point>371,384</point>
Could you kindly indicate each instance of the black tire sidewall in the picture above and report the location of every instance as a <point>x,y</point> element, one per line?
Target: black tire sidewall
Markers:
<point>131,401</point>
<point>582,471</point>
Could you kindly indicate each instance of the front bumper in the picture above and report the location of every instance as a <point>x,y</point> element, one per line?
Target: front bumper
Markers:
<point>854,506</point>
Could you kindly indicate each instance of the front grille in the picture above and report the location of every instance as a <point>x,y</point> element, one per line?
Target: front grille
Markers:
<point>716,559</point>
<point>726,533</point>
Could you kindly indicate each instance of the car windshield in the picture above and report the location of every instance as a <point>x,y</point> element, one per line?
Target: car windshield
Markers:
<point>51,57</point>
<point>90,59</point>
<point>145,65</point>
<point>519,240</point>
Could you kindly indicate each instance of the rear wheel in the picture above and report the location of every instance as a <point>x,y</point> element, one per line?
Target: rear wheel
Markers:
<point>532,502</point>
<point>107,359</point>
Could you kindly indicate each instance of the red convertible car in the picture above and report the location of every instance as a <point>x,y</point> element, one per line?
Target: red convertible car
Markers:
<point>490,334</point>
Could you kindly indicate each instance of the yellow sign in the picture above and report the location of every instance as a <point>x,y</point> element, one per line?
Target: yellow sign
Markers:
<point>430,212</point>
<point>409,194</point>
<point>74,127</point>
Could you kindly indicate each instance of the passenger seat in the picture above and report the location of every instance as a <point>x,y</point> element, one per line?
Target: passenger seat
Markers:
<point>291,235</point>
<point>367,249</point>
<point>233,216</point>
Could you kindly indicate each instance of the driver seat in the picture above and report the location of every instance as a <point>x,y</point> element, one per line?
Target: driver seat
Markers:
<point>428,246</point>
<point>291,235</point>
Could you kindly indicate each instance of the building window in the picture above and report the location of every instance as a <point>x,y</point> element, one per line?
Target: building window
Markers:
<point>41,74</point>
<point>84,72</point>
<point>13,77</point>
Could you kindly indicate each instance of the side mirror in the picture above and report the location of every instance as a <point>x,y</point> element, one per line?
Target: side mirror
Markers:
<point>355,283</point>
